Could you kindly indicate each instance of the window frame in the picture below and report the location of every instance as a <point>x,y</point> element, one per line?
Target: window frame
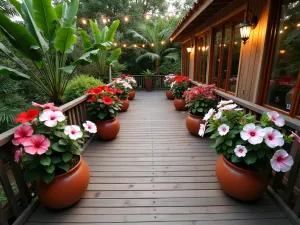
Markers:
<point>274,21</point>
<point>185,67</point>
<point>205,35</point>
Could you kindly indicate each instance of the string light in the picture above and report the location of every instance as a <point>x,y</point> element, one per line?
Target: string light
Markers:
<point>115,44</point>
<point>104,20</point>
<point>147,16</point>
<point>124,45</point>
<point>135,46</point>
<point>285,27</point>
<point>298,25</point>
<point>282,51</point>
<point>235,43</point>
<point>126,19</point>
<point>83,21</point>
<point>170,14</point>
<point>143,46</point>
<point>163,42</point>
<point>152,45</point>
<point>281,31</point>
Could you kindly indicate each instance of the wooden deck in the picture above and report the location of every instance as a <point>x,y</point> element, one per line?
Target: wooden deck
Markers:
<point>156,173</point>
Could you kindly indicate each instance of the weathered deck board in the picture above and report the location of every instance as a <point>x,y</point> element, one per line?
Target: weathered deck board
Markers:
<point>156,173</point>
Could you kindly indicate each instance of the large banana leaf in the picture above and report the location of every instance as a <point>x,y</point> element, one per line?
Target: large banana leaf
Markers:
<point>17,5</point>
<point>45,17</point>
<point>85,39</point>
<point>20,38</point>
<point>112,30</point>
<point>87,58</point>
<point>65,38</point>
<point>58,10</point>
<point>114,56</point>
<point>102,46</point>
<point>14,74</point>
<point>103,33</point>
<point>69,13</point>
<point>96,31</point>
<point>7,52</point>
<point>27,12</point>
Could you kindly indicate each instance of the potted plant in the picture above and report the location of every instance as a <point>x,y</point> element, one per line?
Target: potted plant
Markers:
<point>178,87</point>
<point>103,106</point>
<point>125,87</point>
<point>148,79</point>
<point>49,151</point>
<point>130,80</point>
<point>199,100</point>
<point>168,80</point>
<point>247,148</point>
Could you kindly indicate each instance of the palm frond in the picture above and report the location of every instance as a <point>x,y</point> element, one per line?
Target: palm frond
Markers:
<point>169,50</point>
<point>173,56</point>
<point>148,55</point>
<point>137,36</point>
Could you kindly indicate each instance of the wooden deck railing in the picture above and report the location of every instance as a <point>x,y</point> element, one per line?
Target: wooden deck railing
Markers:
<point>285,185</point>
<point>157,81</point>
<point>16,194</point>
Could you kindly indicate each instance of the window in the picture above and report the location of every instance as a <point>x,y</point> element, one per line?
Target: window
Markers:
<point>226,55</point>
<point>201,58</point>
<point>185,59</point>
<point>283,75</point>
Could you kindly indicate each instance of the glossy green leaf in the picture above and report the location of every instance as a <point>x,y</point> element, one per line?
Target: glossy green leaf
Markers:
<point>250,157</point>
<point>67,156</point>
<point>85,39</point>
<point>45,160</point>
<point>19,37</point>
<point>56,159</point>
<point>65,38</point>
<point>50,168</point>
<point>45,17</point>
<point>58,10</point>
<point>64,166</point>
<point>14,74</point>
<point>48,177</point>
<point>31,26</point>
<point>62,142</point>
<point>68,69</point>
<point>112,30</point>
<point>17,5</point>
<point>114,56</point>
<point>86,58</point>
<point>96,31</point>
<point>103,33</point>
<point>58,148</point>
<point>69,11</point>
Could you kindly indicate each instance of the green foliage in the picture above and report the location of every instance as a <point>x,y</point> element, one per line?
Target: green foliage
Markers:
<point>179,87</point>
<point>168,67</point>
<point>148,73</point>
<point>78,86</point>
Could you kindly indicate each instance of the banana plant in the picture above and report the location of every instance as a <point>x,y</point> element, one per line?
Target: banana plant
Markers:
<point>103,39</point>
<point>45,39</point>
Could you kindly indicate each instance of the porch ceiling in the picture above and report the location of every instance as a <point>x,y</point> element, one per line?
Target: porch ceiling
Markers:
<point>199,12</point>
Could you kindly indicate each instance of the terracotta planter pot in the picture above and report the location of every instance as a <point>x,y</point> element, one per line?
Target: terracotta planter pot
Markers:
<point>169,94</point>
<point>193,123</point>
<point>179,104</point>
<point>148,83</point>
<point>242,184</point>
<point>108,129</point>
<point>66,189</point>
<point>125,105</point>
<point>131,95</point>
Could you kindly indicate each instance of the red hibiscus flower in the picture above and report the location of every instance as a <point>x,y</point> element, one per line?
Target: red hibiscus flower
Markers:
<point>118,91</point>
<point>180,79</point>
<point>92,99</point>
<point>110,90</point>
<point>96,91</point>
<point>25,117</point>
<point>107,100</point>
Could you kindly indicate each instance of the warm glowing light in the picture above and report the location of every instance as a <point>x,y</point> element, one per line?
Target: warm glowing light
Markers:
<point>143,46</point>
<point>298,25</point>
<point>135,46</point>
<point>124,45</point>
<point>152,45</point>
<point>170,14</point>
<point>126,19</point>
<point>163,42</point>
<point>245,33</point>
<point>189,49</point>
<point>104,20</point>
<point>235,42</point>
<point>281,31</point>
<point>285,27</point>
<point>115,44</point>
<point>108,20</point>
<point>282,51</point>
<point>83,21</point>
<point>148,16</point>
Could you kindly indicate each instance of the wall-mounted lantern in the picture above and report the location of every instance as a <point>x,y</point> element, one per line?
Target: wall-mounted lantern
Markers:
<point>248,25</point>
<point>189,49</point>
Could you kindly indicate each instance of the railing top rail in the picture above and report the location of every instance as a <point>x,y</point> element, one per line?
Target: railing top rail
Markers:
<point>7,136</point>
<point>290,122</point>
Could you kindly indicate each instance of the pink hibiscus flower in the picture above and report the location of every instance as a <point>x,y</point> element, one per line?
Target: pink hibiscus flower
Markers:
<point>202,130</point>
<point>46,106</point>
<point>22,134</point>
<point>273,138</point>
<point>90,127</point>
<point>240,151</point>
<point>229,107</point>
<point>281,161</point>
<point>73,131</point>
<point>276,118</point>
<point>252,133</point>
<point>37,144</point>
<point>51,117</point>
<point>18,155</point>
<point>223,129</point>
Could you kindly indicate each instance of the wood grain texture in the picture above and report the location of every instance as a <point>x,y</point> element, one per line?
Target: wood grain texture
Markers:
<point>157,178</point>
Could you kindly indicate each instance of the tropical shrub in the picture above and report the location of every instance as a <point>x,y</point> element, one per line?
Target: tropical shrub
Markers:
<point>168,80</point>
<point>122,85</point>
<point>148,73</point>
<point>200,99</point>
<point>78,86</point>
<point>103,103</point>
<point>179,86</point>
<point>47,146</point>
<point>248,142</point>
<point>46,39</point>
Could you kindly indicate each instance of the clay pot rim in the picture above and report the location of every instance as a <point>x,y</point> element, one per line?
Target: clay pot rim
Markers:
<point>71,170</point>
<point>239,168</point>
<point>179,98</point>
<point>101,121</point>
<point>198,117</point>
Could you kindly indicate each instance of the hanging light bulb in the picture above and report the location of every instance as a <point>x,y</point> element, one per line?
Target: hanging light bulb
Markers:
<point>104,20</point>
<point>152,45</point>
<point>163,42</point>
<point>135,46</point>
<point>124,45</point>
<point>147,16</point>
<point>83,21</point>
<point>143,46</point>
<point>281,31</point>
<point>298,25</point>
<point>282,51</point>
<point>126,19</point>
<point>170,14</point>
<point>285,27</point>
<point>115,44</point>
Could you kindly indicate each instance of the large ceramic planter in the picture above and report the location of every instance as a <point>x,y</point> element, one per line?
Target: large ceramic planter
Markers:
<point>108,129</point>
<point>131,95</point>
<point>193,123</point>
<point>179,104</point>
<point>148,83</point>
<point>242,184</point>
<point>66,189</point>
<point>169,94</point>
<point>125,105</point>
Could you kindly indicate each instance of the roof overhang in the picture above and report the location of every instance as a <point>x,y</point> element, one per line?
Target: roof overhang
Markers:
<point>199,13</point>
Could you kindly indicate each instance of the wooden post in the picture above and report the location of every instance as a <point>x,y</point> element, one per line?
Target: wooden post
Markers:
<point>110,78</point>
